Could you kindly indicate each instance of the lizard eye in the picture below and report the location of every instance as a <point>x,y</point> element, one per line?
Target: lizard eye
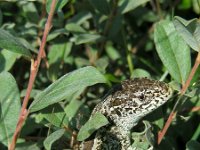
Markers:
<point>141,97</point>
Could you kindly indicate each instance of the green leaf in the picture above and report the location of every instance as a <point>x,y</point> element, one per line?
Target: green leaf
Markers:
<point>56,52</point>
<point>86,38</point>
<point>172,50</point>
<point>55,115</point>
<point>195,4</point>
<point>59,5</point>
<point>7,59</point>
<point>112,52</point>
<point>11,43</point>
<point>31,12</point>
<point>111,77</point>
<point>192,145</point>
<point>140,73</point>
<point>80,62</point>
<point>56,56</point>
<point>9,107</point>
<point>101,5</point>
<point>29,146</point>
<point>126,6</point>
<point>144,139</point>
<point>95,122</point>
<point>33,94</point>
<point>81,17</point>
<point>74,28</point>
<point>102,63</point>
<point>72,108</point>
<point>190,31</point>
<point>185,4</point>
<point>197,132</point>
<point>67,86</point>
<point>52,138</point>
<point>56,33</point>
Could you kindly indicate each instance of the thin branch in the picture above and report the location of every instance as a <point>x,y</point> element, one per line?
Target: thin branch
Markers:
<point>167,124</point>
<point>197,62</point>
<point>34,70</point>
<point>40,32</point>
<point>194,109</point>
<point>182,92</point>
<point>159,9</point>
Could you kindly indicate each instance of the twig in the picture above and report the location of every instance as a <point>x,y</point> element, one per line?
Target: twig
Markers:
<point>194,109</point>
<point>197,62</point>
<point>182,92</point>
<point>40,33</point>
<point>34,70</point>
<point>159,9</point>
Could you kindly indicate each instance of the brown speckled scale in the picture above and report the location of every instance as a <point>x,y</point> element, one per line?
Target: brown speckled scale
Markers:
<point>124,106</point>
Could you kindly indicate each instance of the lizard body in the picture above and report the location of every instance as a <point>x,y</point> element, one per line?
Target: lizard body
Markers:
<point>124,106</point>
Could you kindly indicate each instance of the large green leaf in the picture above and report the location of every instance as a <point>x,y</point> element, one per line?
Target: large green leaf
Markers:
<point>172,50</point>
<point>95,122</point>
<point>67,86</point>
<point>190,31</point>
<point>9,107</point>
<point>11,43</point>
<point>52,138</point>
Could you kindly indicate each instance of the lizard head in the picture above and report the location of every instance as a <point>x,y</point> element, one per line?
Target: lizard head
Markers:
<point>134,99</point>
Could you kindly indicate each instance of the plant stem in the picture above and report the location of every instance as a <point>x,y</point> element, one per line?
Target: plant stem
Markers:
<point>159,9</point>
<point>197,62</point>
<point>197,108</point>
<point>130,63</point>
<point>33,72</point>
<point>182,92</point>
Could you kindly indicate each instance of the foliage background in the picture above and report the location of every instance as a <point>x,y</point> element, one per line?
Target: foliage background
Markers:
<point>114,36</point>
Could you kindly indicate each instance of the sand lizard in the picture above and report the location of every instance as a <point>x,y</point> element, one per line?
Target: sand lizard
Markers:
<point>124,106</point>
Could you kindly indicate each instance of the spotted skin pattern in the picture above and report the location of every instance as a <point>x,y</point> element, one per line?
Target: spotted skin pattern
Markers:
<point>124,106</point>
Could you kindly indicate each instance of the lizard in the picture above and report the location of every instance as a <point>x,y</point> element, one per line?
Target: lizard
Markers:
<point>124,106</point>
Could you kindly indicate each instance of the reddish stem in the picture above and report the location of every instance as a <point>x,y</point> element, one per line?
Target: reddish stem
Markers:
<point>182,92</point>
<point>34,70</point>
<point>167,124</point>
<point>187,83</point>
<point>194,109</point>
